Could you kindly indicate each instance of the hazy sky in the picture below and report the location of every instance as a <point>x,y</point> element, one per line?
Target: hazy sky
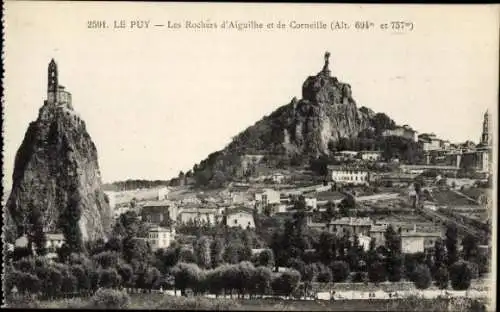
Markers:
<point>157,101</point>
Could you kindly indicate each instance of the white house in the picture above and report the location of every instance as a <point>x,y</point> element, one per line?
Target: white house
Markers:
<point>163,193</point>
<point>349,175</point>
<point>240,217</point>
<point>111,198</point>
<point>370,155</point>
<point>311,202</point>
<point>364,241</point>
<point>278,177</point>
<point>159,237</point>
<point>413,241</point>
<point>202,215</point>
<point>54,241</point>
<point>267,197</point>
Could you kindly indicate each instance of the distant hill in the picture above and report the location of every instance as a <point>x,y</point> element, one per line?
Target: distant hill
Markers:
<point>324,121</point>
<point>134,184</point>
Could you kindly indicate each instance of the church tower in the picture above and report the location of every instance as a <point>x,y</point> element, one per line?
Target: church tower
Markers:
<point>486,138</point>
<point>53,82</point>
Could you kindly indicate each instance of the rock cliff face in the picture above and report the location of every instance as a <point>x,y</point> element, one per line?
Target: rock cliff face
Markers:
<point>304,128</point>
<point>326,113</point>
<point>56,161</point>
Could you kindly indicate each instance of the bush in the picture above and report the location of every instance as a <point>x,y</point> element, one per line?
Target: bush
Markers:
<point>285,283</point>
<point>460,275</point>
<point>442,277</point>
<point>340,271</point>
<point>106,298</point>
<point>422,276</point>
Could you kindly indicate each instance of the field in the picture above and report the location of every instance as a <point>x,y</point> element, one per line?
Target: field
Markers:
<point>159,301</point>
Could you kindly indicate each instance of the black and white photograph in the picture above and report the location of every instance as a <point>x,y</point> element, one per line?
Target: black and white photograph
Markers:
<point>249,156</point>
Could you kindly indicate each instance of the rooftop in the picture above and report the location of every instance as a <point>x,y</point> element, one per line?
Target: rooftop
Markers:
<point>352,221</point>
<point>346,167</point>
<point>158,203</point>
<point>198,210</point>
<point>53,236</point>
<point>239,210</point>
<point>420,234</point>
<point>159,229</point>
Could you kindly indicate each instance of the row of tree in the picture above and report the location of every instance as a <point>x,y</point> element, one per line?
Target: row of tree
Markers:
<point>241,279</point>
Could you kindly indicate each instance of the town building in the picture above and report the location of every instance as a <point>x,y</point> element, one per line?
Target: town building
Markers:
<point>370,155</point>
<point>198,215</point>
<point>364,241</point>
<point>266,198</point>
<point>403,132</point>
<point>378,233</point>
<point>160,237</point>
<point>345,155</point>
<point>54,241</point>
<point>414,241</point>
<point>349,175</point>
<point>111,198</point>
<point>278,177</point>
<point>429,142</point>
<point>240,217</point>
<point>158,212</point>
<point>358,226</point>
<point>311,202</point>
<point>162,193</point>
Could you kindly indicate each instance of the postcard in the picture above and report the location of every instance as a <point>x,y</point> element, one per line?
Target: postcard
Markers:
<point>242,156</point>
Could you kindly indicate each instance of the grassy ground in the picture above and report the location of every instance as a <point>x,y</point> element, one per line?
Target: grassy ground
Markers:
<point>158,301</point>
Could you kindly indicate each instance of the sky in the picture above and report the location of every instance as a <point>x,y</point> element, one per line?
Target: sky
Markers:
<point>156,101</point>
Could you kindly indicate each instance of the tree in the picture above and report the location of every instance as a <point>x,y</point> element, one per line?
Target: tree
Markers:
<point>469,244</point>
<point>136,249</point>
<point>394,259</point>
<point>68,221</point>
<point>202,252</point>
<point>381,122</point>
<point>82,279</point>
<point>53,283</point>
<point>217,252</point>
<point>265,258</point>
<point>285,283</point>
<point>232,252</point>
<point>451,243</point>
<point>327,247</point>
<point>69,283</point>
<point>460,275</point>
<point>422,277</point>
<point>127,274</point>
<point>262,280</point>
<point>109,278</point>
<point>346,206</point>
<point>186,275</point>
<point>411,261</point>
<point>324,273</point>
<point>37,235</point>
<point>439,255</point>
<point>106,259</point>
<point>330,211</point>
<point>340,271</point>
<point>442,277</point>
<point>376,272</point>
<point>127,225</point>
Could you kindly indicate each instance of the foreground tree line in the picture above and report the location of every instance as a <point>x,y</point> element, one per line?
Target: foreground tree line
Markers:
<point>223,263</point>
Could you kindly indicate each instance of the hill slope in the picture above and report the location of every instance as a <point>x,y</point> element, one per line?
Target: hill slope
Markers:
<point>325,120</point>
